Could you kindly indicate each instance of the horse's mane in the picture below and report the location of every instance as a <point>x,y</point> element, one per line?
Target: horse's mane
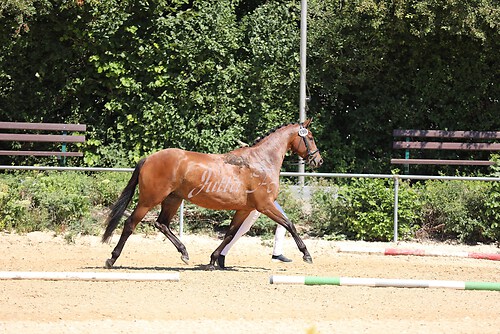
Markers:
<point>260,138</point>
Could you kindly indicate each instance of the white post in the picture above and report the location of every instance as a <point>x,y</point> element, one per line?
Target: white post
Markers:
<point>396,199</point>
<point>303,67</point>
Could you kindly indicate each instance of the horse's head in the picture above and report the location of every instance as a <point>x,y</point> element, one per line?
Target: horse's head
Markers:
<point>303,144</point>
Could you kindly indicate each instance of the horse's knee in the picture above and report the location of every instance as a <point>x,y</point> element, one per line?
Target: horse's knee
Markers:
<point>290,225</point>
<point>127,230</point>
<point>160,226</point>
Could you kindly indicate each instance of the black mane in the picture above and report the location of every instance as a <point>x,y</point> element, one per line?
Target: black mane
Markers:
<point>270,132</point>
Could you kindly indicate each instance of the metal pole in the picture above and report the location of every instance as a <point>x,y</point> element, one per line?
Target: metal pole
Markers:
<point>303,67</point>
<point>396,193</point>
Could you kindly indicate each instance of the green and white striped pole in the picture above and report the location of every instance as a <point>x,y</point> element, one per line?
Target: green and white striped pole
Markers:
<point>384,282</point>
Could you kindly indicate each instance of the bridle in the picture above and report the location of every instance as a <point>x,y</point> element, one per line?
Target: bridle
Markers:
<point>303,132</point>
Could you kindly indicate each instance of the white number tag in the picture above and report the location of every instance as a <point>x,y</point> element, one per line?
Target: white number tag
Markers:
<point>303,132</point>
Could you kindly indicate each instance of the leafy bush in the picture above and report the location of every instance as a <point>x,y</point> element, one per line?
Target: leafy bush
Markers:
<point>463,210</point>
<point>15,213</point>
<point>492,213</point>
<point>73,203</point>
<point>63,202</point>
<point>60,201</point>
<point>363,209</point>
<point>106,187</point>
<point>330,210</point>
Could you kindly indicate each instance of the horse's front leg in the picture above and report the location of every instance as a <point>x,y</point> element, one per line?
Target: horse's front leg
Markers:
<point>275,214</point>
<point>169,207</point>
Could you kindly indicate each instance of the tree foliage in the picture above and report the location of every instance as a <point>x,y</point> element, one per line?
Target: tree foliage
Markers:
<point>204,75</point>
<point>380,65</point>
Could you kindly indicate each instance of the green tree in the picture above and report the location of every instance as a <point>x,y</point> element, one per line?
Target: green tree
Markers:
<point>203,75</point>
<point>379,65</point>
<point>145,75</point>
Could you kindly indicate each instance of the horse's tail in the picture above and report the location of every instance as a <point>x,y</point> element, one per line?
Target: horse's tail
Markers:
<point>118,209</point>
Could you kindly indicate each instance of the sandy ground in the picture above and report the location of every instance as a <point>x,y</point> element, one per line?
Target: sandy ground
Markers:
<point>240,299</point>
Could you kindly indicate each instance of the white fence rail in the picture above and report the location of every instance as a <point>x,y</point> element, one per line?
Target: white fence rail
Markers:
<point>395,177</point>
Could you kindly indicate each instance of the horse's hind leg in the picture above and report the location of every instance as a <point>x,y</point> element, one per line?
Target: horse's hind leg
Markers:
<point>129,227</point>
<point>236,222</point>
<point>169,207</point>
<point>274,213</point>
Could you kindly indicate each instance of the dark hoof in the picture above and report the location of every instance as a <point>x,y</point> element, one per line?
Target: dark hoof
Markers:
<point>185,259</point>
<point>308,259</point>
<point>109,263</point>
<point>210,267</point>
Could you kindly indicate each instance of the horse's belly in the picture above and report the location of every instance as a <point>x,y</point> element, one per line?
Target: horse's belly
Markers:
<point>220,201</point>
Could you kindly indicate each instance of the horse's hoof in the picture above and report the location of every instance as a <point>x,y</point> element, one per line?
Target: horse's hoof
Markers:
<point>185,259</point>
<point>308,259</point>
<point>109,263</point>
<point>210,267</point>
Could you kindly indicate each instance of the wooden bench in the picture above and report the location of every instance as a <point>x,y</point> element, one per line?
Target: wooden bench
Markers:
<point>445,140</point>
<point>17,132</point>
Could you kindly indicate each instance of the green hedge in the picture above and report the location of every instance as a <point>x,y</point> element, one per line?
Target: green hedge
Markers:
<point>204,75</point>
<point>72,203</point>
<point>466,211</point>
<point>363,209</point>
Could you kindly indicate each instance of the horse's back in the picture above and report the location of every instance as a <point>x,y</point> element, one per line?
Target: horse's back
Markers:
<point>176,166</point>
<point>177,153</point>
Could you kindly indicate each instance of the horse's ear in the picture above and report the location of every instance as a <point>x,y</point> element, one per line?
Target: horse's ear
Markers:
<point>307,122</point>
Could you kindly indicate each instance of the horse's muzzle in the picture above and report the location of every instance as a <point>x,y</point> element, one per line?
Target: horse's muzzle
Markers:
<point>315,160</point>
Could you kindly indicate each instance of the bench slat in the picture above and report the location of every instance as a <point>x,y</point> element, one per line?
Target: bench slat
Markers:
<point>41,153</point>
<point>446,146</point>
<point>43,126</point>
<point>441,162</point>
<point>46,138</point>
<point>41,138</point>
<point>447,134</point>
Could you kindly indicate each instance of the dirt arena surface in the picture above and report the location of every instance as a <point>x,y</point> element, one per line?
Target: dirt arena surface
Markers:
<point>240,299</point>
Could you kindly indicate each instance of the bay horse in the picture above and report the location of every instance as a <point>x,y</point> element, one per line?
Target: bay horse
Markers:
<point>243,180</point>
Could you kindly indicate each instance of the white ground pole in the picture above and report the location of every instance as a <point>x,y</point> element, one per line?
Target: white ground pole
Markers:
<point>87,276</point>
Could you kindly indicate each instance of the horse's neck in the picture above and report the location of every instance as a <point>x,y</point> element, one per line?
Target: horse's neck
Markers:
<point>272,149</point>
